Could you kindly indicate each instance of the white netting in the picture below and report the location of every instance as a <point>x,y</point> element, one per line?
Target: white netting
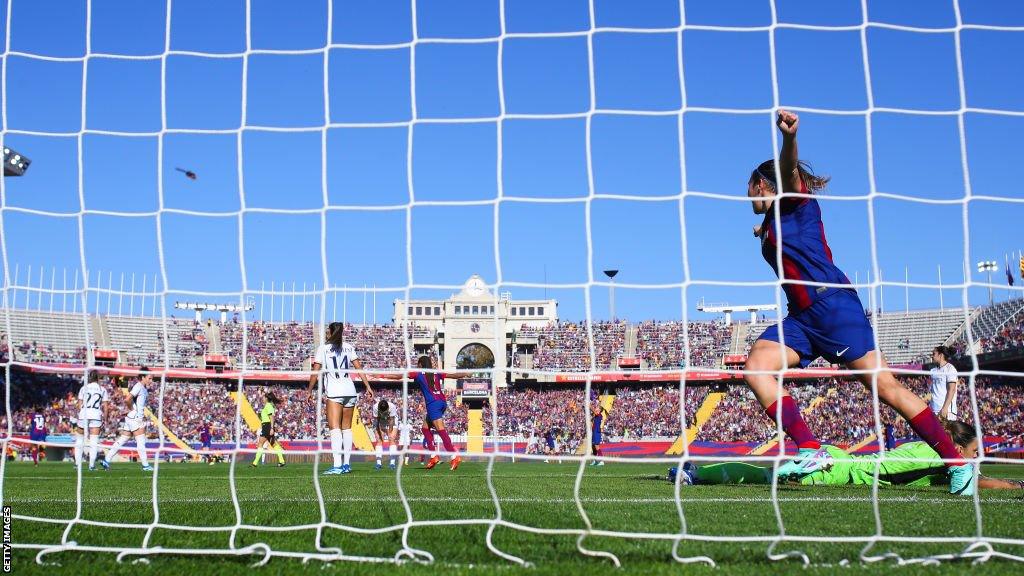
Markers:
<point>978,545</point>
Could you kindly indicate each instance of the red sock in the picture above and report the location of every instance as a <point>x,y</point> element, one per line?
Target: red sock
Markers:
<point>429,437</point>
<point>793,423</point>
<point>597,451</point>
<point>446,441</point>
<point>35,455</point>
<point>928,427</point>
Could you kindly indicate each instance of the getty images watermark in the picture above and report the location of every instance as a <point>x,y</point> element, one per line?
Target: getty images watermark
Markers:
<point>7,538</point>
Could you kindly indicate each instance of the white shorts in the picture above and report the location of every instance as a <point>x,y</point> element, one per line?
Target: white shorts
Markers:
<point>131,425</point>
<point>404,440</point>
<point>345,401</point>
<point>335,389</point>
<point>86,424</point>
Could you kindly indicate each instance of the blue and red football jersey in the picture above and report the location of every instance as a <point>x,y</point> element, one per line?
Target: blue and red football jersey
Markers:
<point>431,386</point>
<point>805,252</point>
<point>38,423</point>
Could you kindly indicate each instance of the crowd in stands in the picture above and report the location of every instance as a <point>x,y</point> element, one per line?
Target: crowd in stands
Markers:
<point>1010,336</point>
<point>839,412</point>
<point>269,345</point>
<point>844,414</point>
<point>661,343</point>
<point>188,406</point>
<point>38,352</point>
<point>52,395</point>
<point>565,346</point>
<point>382,346</point>
<point>191,342</point>
<point>525,411</point>
<point>286,346</point>
<point>651,412</point>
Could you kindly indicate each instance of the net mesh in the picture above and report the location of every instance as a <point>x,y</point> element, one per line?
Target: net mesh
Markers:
<point>977,545</point>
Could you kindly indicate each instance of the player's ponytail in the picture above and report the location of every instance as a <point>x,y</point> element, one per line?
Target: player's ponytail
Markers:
<point>383,408</point>
<point>336,335</point>
<point>961,433</point>
<point>766,171</point>
<point>424,362</point>
<point>273,399</point>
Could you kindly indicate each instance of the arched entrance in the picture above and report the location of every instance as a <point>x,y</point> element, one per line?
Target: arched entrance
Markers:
<point>474,357</point>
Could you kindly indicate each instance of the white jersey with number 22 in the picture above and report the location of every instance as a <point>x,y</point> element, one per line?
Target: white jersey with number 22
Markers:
<point>92,396</point>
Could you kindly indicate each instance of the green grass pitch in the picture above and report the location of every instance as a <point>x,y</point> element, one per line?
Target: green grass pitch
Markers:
<point>627,497</point>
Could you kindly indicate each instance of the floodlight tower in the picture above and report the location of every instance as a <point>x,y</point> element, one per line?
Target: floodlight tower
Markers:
<point>15,163</point>
<point>611,292</point>
<point>988,266</point>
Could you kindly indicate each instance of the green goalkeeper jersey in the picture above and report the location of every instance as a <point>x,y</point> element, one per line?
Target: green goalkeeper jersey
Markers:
<point>926,470</point>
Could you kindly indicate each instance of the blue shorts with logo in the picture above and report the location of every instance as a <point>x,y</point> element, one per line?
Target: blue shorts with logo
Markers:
<point>436,409</point>
<point>834,328</point>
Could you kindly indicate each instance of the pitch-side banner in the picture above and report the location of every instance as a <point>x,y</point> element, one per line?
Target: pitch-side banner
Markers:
<point>696,376</point>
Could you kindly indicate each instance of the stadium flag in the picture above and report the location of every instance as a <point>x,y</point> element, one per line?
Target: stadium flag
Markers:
<point>1009,275</point>
<point>1021,267</point>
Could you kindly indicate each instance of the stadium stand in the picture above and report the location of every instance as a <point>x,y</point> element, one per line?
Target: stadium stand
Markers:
<point>270,346</point>
<point>844,416</point>
<point>54,337</point>
<point>908,336</point>
<point>993,318</point>
<point>997,327</point>
<point>904,337</point>
<point>838,411</point>
<point>651,412</point>
<point>140,340</point>
<point>565,346</point>
<point>661,343</point>
<point>44,337</point>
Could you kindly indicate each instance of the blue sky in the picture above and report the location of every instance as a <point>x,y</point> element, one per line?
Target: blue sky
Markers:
<point>336,153</point>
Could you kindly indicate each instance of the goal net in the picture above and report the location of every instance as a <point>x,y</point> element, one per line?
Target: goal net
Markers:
<point>212,186</point>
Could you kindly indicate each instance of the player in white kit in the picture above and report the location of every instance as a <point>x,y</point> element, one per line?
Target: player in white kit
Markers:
<point>333,364</point>
<point>385,420</point>
<point>134,424</point>
<point>405,436</point>
<point>944,385</point>
<point>93,400</point>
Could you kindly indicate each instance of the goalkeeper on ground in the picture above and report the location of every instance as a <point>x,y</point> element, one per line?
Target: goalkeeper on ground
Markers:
<point>912,464</point>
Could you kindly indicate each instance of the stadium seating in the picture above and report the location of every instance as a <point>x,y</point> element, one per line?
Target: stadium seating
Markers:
<point>286,346</point>
<point>269,346</point>
<point>998,327</point>
<point>565,346</point>
<point>661,343</point>
<point>906,337</point>
<point>995,317</point>
<point>651,412</point>
<point>53,337</point>
<point>140,340</point>
<point>845,416</point>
